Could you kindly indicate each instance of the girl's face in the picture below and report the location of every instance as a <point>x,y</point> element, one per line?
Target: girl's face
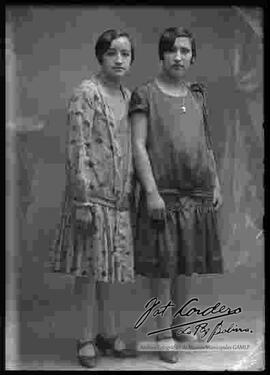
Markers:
<point>176,62</point>
<point>117,59</point>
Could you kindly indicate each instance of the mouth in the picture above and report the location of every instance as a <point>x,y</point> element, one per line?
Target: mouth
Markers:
<point>178,66</point>
<point>118,68</point>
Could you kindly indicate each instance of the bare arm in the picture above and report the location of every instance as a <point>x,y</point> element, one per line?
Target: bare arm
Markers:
<point>217,184</point>
<point>142,162</point>
<point>217,198</point>
<point>155,203</point>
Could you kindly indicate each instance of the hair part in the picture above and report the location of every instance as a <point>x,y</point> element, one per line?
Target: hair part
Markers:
<point>167,40</point>
<point>104,42</point>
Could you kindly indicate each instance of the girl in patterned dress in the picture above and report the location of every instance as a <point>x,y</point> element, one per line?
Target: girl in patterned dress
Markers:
<point>176,229</point>
<point>95,240</point>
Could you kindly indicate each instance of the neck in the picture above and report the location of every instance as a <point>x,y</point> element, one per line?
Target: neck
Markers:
<point>112,83</point>
<point>179,83</point>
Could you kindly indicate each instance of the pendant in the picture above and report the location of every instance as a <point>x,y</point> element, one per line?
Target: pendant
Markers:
<point>183,108</point>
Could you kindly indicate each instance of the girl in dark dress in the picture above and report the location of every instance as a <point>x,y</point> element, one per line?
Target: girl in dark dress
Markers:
<point>176,220</point>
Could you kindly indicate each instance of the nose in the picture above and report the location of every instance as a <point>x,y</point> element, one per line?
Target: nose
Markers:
<point>178,56</point>
<point>119,59</point>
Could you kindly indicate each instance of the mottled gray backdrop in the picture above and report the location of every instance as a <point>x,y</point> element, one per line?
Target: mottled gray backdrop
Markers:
<point>49,50</point>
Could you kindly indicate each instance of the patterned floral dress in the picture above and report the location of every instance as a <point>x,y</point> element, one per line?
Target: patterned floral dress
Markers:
<point>99,177</point>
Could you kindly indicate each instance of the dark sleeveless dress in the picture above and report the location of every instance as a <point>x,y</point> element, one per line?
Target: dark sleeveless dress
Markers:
<point>178,145</point>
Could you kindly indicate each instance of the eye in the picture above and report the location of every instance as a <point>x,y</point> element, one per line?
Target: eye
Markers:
<point>185,51</point>
<point>126,54</point>
<point>110,53</point>
<point>171,50</point>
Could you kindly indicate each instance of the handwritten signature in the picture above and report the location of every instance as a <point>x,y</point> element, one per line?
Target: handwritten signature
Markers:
<point>203,329</point>
<point>187,310</point>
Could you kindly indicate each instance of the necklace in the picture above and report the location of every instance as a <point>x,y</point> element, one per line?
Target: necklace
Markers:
<point>183,107</point>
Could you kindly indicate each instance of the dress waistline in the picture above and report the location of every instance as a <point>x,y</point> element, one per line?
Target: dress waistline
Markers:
<point>119,205</point>
<point>195,193</point>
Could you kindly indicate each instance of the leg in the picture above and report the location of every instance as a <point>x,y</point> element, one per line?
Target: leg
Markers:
<point>86,290</point>
<point>181,294</point>
<point>161,288</point>
<point>109,339</point>
<point>106,297</point>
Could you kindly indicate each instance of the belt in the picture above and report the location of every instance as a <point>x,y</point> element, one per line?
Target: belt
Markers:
<point>119,205</point>
<point>194,193</point>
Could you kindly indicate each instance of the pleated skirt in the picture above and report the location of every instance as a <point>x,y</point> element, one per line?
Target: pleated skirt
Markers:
<point>186,242</point>
<point>101,250</point>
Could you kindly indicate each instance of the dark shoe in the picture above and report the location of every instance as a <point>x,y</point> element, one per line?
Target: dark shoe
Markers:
<point>186,338</point>
<point>108,346</point>
<point>169,356</point>
<point>84,360</point>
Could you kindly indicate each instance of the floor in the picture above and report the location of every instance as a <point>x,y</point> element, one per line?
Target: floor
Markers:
<point>230,360</point>
<point>223,354</point>
<point>48,323</point>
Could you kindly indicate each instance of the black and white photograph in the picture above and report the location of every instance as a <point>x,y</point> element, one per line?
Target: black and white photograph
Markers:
<point>134,188</point>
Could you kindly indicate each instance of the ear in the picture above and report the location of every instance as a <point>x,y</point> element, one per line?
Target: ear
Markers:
<point>192,60</point>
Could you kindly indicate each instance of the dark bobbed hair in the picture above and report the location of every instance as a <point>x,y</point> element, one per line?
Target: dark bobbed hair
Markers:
<point>105,39</point>
<point>167,40</point>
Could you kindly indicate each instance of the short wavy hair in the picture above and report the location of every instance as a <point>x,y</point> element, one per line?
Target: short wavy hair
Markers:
<point>104,42</point>
<point>167,40</point>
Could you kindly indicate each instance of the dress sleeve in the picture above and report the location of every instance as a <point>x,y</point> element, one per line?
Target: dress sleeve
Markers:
<point>208,135</point>
<point>200,92</point>
<point>80,122</point>
<point>139,101</point>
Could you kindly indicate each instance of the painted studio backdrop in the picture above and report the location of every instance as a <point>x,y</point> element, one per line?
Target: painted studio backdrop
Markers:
<point>49,50</point>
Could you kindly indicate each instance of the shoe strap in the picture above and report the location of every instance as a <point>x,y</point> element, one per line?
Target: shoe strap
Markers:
<point>109,342</point>
<point>83,343</point>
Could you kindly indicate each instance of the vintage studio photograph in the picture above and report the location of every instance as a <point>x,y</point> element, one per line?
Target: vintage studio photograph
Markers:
<point>135,193</point>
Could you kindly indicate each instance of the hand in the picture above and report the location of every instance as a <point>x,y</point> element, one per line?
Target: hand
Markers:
<point>156,206</point>
<point>217,199</point>
<point>83,217</point>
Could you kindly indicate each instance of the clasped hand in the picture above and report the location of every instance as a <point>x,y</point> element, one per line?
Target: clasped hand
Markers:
<point>83,218</point>
<point>155,206</point>
<point>217,199</point>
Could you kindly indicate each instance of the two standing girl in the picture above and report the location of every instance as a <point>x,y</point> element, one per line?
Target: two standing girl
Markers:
<point>176,229</point>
